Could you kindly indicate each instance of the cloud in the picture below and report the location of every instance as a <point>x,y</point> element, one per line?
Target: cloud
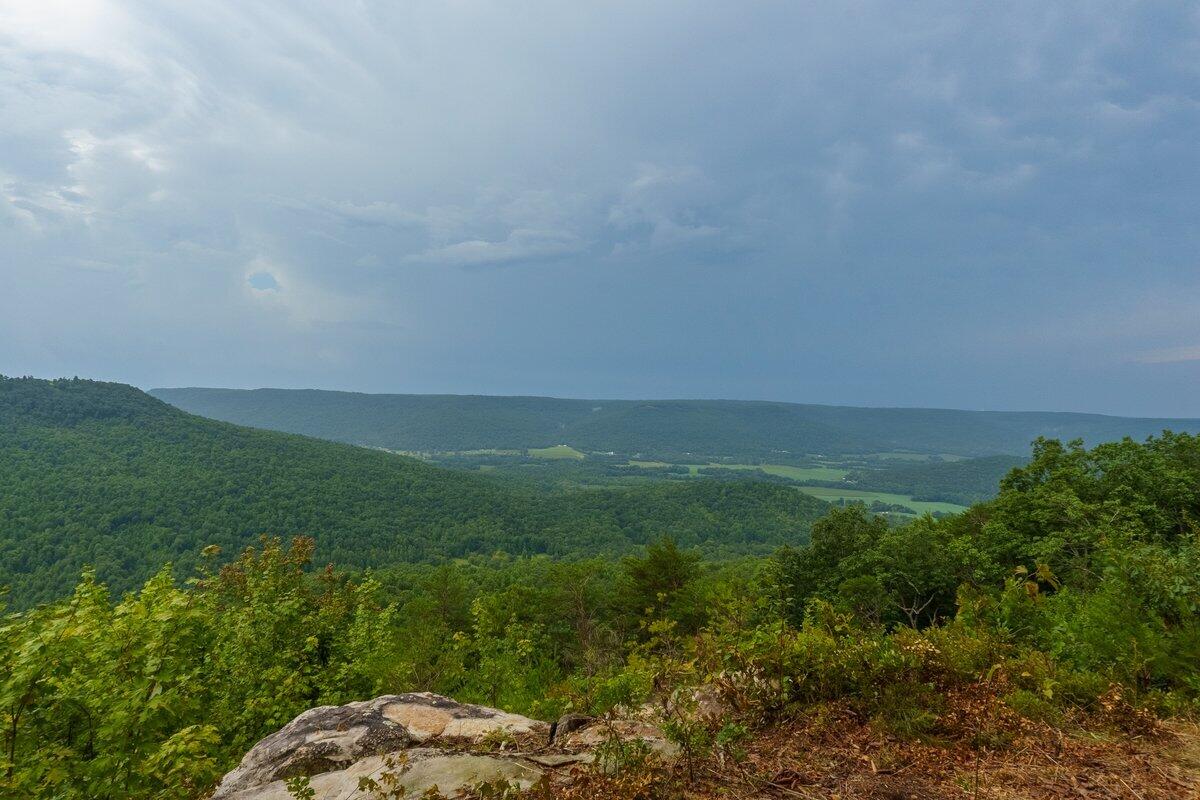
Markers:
<point>841,182</point>
<point>664,207</point>
<point>374,213</point>
<point>494,226</point>
<point>1170,355</point>
<point>15,211</point>
<point>927,165</point>
<point>520,245</point>
<point>297,301</point>
<point>1011,183</point>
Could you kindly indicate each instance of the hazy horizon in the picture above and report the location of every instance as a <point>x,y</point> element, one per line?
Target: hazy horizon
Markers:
<point>930,205</point>
<point>152,389</point>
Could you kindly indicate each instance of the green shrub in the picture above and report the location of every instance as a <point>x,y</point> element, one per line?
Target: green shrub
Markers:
<point>1031,705</point>
<point>909,710</point>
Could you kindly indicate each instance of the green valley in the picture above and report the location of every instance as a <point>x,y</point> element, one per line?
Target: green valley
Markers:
<point>103,474</point>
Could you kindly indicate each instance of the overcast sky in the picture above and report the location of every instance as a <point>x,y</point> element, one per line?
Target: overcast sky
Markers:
<point>936,204</point>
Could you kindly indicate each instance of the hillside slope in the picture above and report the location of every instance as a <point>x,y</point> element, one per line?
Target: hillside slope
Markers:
<point>661,428</point>
<point>963,482</point>
<point>103,474</point>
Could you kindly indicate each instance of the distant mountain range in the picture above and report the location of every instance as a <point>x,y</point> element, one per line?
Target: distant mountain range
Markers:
<point>659,428</point>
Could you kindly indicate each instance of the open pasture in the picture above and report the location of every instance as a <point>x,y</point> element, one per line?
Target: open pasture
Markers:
<point>558,451</point>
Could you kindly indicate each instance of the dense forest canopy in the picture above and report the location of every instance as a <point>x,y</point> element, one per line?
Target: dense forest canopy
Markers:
<point>963,482</point>
<point>103,474</point>
<point>658,428</point>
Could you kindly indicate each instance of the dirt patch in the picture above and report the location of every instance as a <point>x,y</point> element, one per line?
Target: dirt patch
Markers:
<point>834,755</point>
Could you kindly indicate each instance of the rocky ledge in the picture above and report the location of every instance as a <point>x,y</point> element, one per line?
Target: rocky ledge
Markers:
<point>411,743</point>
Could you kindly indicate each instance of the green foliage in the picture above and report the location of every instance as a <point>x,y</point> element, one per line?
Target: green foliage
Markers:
<point>153,696</point>
<point>1076,589</point>
<point>1089,556</point>
<point>961,482</point>
<point>1034,706</point>
<point>299,788</point>
<point>729,740</point>
<point>618,754</point>
<point>102,474</point>
<point>659,585</point>
<point>840,538</point>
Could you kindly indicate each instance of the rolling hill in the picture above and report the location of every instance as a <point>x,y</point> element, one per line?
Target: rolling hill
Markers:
<point>777,432</point>
<point>972,480</point>
<point>104,474</point>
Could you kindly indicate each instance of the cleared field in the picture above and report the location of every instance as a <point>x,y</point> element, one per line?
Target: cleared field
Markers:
<point>915,457</point>
<point>784,470</point>
<point>801,473</point>
<point>558,451</point>
<point>832,495</point>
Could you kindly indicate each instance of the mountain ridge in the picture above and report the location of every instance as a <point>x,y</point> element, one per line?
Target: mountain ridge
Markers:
<point>756,429</point>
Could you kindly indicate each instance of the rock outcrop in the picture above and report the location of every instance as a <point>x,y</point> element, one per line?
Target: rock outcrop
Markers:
<point>410,743</point>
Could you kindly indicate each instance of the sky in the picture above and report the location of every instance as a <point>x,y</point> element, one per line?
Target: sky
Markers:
<point>967,205</point>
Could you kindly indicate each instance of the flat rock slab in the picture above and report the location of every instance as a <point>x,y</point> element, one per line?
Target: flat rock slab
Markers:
<point>596,734</point>
<point>338,739</point>
<point>412,775</point>
<point>428,716</point>
<point>555,760</point>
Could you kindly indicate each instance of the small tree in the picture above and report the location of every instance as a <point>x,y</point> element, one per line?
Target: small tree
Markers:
<point>657,585</point>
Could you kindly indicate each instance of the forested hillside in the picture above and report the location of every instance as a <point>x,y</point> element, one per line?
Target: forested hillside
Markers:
<point>671,429</point>
<point>103,474</point>
<point>963,482</point>
<point>1027,648</point>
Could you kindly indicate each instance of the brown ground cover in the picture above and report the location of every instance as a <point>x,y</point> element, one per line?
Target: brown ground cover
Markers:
<point>832,754</point>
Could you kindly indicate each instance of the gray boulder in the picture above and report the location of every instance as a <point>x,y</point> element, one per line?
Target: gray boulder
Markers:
<point>410,774</point>
<point>407,744</point>
<point>337,745</point>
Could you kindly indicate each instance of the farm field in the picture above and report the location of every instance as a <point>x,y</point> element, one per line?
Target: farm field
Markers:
<point>849,482</point>
<point>795,473</point>
<point>783,470</point>
<point>558,451</point>
<point>918,457</point>
<point>920,506</point>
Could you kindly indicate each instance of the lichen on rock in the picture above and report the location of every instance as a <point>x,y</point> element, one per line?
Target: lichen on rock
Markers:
<point>414,742</point>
